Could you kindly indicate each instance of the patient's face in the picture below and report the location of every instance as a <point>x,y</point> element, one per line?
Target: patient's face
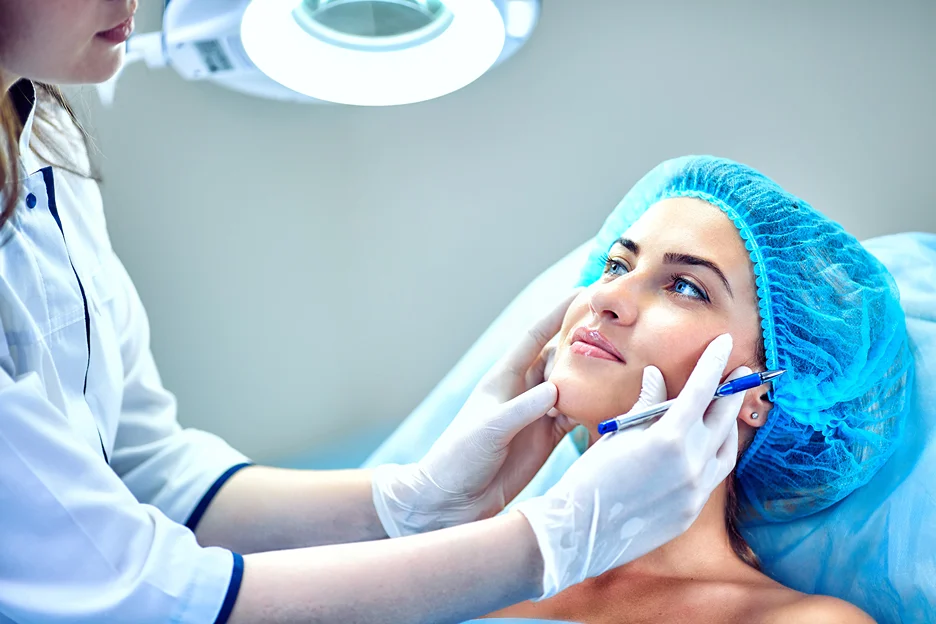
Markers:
<point>656,304</point>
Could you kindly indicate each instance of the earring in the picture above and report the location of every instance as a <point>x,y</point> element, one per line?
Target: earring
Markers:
<point>755,416</point>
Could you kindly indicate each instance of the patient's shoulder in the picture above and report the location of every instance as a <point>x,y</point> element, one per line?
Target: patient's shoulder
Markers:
<point>816,610</point>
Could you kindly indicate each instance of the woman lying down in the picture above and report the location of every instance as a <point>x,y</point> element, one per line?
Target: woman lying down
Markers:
<point>701,247</point>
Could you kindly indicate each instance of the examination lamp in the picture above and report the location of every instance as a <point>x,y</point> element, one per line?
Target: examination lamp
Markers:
<point>360,52</point>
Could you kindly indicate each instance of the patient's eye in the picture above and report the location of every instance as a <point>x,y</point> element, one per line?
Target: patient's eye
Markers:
<point>684,287</point>
<point>613,266</point>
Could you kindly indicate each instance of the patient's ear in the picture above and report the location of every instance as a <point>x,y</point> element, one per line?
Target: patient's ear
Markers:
<point>755,408</point>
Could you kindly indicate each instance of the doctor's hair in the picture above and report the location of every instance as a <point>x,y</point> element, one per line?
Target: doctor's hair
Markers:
<point>56,129</point>
<point>9,174</point>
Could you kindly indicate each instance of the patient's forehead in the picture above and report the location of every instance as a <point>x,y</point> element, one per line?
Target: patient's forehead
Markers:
<point>696,226</point>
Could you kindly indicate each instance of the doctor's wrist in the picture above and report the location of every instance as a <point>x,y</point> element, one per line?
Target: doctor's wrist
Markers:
<point>532,566</point>
<point>404,505</point>
<point>409,502</point>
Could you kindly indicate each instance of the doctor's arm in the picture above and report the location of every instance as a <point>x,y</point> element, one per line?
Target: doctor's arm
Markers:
<point>261,508</point>
<point>445,576</point>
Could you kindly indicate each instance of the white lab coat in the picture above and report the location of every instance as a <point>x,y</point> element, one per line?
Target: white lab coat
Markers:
<point>97,478</point>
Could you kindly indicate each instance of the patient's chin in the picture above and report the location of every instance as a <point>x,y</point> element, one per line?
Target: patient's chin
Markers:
<point>584,401</point>
<point>591,397</point>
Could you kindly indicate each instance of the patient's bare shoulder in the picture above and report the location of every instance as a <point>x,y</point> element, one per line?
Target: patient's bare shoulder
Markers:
<point>816,610</point>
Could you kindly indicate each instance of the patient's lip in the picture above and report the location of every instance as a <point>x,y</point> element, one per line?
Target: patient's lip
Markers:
<point>593,344</point>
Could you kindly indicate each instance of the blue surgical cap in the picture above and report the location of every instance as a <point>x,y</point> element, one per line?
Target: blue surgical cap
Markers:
<point>830,315</point>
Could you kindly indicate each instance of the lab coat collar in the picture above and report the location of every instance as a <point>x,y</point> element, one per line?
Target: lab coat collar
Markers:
<point>25,90</point>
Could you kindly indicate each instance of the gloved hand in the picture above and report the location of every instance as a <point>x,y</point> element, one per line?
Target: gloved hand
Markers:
<point>494,446</point>
<point>637,489</point>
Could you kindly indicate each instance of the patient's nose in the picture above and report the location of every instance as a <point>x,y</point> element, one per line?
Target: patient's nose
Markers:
<point>615,301</point>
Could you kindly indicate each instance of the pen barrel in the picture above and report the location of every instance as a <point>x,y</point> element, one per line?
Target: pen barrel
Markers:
<point>738,385</point>
<point>632,420</point>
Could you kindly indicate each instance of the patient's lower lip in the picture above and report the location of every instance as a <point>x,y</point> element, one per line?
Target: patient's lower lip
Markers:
<point>583,348</point>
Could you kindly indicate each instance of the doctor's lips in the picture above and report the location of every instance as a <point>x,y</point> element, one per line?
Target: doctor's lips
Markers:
<point>590,343</point>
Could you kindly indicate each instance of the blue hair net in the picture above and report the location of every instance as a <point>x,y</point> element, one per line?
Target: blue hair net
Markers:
<point>830,315</point>
<point>877,547</point>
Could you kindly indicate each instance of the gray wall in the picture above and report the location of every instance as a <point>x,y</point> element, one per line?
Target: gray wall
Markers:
<point>309,268</point>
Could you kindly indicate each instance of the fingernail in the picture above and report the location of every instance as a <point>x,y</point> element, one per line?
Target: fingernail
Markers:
<point>719,350</point>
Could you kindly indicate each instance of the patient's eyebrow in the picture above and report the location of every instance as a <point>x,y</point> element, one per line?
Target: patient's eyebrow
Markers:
<point>629,244</point>
<point>681,258</point>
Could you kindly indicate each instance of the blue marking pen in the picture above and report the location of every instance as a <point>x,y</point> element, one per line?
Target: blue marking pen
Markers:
<point>728,388</point>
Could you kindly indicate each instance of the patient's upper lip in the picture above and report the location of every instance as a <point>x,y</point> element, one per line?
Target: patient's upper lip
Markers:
<point>594,338</point>
<point>126,19</point>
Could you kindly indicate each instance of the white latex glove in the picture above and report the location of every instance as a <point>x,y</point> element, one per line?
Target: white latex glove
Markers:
<point>494,446</point>
<point>635,490</point>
